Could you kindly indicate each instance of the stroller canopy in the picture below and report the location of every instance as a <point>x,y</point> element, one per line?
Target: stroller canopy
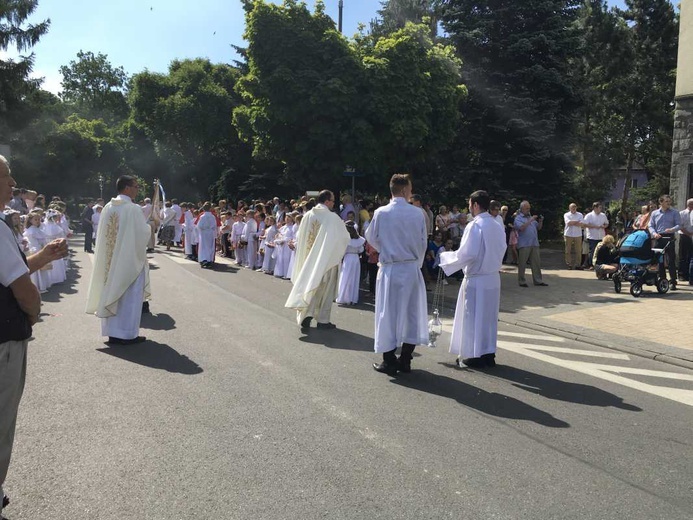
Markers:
<point>636,248</point>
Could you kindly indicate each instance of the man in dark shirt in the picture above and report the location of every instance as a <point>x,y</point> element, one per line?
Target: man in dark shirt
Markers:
<point>88,226</point>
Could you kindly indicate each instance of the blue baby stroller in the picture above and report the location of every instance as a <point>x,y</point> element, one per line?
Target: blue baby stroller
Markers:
<point>640,264</point>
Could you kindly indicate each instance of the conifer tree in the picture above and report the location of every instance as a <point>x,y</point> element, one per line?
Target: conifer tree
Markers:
<point>521,114</point>
<point>14,73</point>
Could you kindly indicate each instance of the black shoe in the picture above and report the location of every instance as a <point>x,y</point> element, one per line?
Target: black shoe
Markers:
<point>672,285</point>
<point>542,284</point>
<point>326,326</point>
<point>489,359</point>
<point>120,341</point>
<point>403,366</point>
<point>305,324</point>
<point>474,362</point>
<point>5,501</point>
<point>524,285</point>
<point>385,368</point>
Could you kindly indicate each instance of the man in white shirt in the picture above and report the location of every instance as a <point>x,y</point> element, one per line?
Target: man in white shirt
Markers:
<point>398,232</point>
<point>20,304</point>
<point>494,209</point>
<point>595,224</point>
<point>572,234</point>
<point>686,243</point>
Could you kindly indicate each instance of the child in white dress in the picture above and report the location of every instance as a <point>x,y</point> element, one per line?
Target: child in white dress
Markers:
<point>350,274</point>
<point>36,240</point>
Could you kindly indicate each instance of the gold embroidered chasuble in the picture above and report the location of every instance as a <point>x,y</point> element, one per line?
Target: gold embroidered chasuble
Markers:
<point>120,256</point>
<point>320,245</point>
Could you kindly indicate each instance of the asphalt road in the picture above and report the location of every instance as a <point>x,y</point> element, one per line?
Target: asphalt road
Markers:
<point>228,412</point>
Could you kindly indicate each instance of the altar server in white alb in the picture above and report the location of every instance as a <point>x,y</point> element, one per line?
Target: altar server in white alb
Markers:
<point>398,232</point>
<point>249,236</point>
<point>207,232</point>
<point>319,251</point>
<point>120,280</point>
<point>480,256</point>
<point>350,277</point>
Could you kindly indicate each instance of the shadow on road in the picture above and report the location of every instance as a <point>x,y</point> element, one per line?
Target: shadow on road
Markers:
<point>338,339</point>
<point>225,268</point>
<point>158,322</point>
<point>155,355</point>
<point>559,390</point>
<point>490,403</point>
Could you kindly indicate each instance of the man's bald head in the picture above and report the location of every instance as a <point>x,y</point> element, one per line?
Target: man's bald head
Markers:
<point>7,183</point>
<point>4,165</point>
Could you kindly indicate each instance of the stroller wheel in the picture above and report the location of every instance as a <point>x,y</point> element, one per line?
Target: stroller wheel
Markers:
<point>636,289</point>
<point>617,284</point>
<point>663,286</point>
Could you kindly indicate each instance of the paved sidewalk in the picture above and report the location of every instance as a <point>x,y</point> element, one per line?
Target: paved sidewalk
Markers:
<point>578,306</point>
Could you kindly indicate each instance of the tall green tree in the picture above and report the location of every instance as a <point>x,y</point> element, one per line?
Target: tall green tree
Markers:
<point>414,92</point>
<point>655,29</point>
<point>394,15</point>
<point>319,102</point>
<point>94,87</point>
<point>187,114</point>
<point>14,73</point>
<point>521,114</point>
<point>302,94</point>
<point>66,158</point>
<point>605,68</point>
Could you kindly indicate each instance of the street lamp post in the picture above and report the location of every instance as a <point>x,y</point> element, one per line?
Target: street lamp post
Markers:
<point>100,186</point>
<point>341,9</point>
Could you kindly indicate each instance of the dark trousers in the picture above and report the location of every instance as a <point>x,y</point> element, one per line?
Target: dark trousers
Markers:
<point>88,230</point>
<point>593,244</point>
<point>225,245</point>
<point>372,275</point>
<point>685,256</point>
<point>670,257</point>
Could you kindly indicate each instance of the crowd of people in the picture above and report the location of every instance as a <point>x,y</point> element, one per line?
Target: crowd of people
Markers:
<point>261,236</point>
<point>591,239</point>
<point>34,226</point>
<point>326,249</point>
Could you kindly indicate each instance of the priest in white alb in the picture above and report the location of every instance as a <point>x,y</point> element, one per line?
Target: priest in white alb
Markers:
<point>480,256</point>
<point>321,244</point>
<point>398,232</point>
<point>120,279</point>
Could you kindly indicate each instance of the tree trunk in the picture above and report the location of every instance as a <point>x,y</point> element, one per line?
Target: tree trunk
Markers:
<point>626,186</point>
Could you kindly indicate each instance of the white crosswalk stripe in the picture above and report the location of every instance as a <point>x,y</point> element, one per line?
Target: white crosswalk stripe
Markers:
<point>542,347</point>
<point>563,350</point>
<point>524,335</point>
